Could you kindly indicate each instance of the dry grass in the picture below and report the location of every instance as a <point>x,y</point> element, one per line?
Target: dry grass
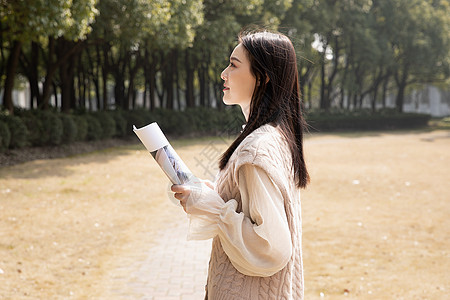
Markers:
<point>375,217</point>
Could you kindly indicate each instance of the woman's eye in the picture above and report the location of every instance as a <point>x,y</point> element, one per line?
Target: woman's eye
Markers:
<point>232,65</point>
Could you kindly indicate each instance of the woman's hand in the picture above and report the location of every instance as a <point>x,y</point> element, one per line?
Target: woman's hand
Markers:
<point>182,193</point>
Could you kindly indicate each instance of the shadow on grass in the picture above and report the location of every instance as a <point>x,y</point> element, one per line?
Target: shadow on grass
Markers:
<point>373,133</point>
<point>38,164</point>
<point>60,166</point>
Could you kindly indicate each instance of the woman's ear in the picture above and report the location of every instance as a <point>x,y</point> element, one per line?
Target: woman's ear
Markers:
<point>267,78</point>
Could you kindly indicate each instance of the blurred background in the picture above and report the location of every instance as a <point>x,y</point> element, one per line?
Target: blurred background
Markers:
<point>128,54</point>
<point>366,59</point>
<point>76,75</point>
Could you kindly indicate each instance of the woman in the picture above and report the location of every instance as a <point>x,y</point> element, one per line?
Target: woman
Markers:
<point>253,210</point>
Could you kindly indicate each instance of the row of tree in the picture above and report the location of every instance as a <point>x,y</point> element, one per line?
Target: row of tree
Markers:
<point>173,51</point>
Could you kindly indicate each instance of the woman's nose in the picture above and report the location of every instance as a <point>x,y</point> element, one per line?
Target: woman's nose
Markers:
<point>223,74</point>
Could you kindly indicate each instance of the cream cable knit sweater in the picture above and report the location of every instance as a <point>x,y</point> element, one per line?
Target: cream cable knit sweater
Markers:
<point>249,261</point>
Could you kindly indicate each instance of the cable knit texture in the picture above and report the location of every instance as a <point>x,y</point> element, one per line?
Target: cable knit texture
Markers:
<point>266,148</point>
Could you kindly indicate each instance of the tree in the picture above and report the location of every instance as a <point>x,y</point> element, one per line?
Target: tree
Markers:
<point>299,28</point>
<point>28,21</point>
<point>419,39</point>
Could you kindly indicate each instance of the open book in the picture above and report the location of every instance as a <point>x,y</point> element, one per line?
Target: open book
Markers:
<point>159,147</point>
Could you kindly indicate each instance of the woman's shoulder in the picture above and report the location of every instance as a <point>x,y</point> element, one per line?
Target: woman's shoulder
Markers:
<point>266,148</point>
<point>263,139</point>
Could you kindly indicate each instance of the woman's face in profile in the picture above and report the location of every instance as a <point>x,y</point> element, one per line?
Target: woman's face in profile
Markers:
<point>239,81</point>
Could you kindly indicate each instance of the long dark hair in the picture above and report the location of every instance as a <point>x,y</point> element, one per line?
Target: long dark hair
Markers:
<point>276,98</point>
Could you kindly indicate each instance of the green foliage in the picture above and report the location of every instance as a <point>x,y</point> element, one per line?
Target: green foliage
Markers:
<point>107,124</point>
<point>442,123</point>
<point>5,136</point>
<point>121,123</point>
<point>70,129</point>
<point>137,118</point>
<point>45,127</point>
<point>18,130</point>
<point>94,129</point>
<point>35,128</point>
<point>30,20</point>
<point>53,127</point>
<point>168,120</point>
<point>82,127</point>
<point>365,120</point>
<point>198,121</point>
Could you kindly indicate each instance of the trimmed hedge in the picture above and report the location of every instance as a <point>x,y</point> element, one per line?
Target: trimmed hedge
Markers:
<point>70,129</point>
<point>364,120</point>
<point>35,128</point>
<point>121,123</point>
<point>5,136</point>
<point>39,128</point>
<point>53,127</point>
<point>94,128</point>
<point>18,131</point>
<point>82,127</point>
<point>107,124</point>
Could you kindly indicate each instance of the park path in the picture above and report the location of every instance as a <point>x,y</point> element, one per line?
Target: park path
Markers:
<point>172,268</point>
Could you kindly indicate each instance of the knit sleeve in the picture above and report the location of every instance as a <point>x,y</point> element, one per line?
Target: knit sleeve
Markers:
<point>257,241</point>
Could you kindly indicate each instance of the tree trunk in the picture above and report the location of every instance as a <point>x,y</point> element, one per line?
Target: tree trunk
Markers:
<point>118,72</point>
<point>169,79</point>
<point>385,87</point>
<point>401,86</point>
<point>11,68</point>
<point>34,76</point>
<point>82,83</point>
<point>105,71</point>
<point>55,94</point>
<point>202,82</point>
<point>46,89</point>
<point>343,85</point>
<point>94,76</point>
<point>150,77</point>
<point>374,99</point>
<point>66,75</point>
<point>119,91</point>
<point>29,69</point>
<point>207,87</point>
<point>81,91</point>
<point>327,81</point>
<point>160,88</point>
<point>400,97</point>
<point>144,96</point>
<point>190,98</point>
<point>322,83</point>
<point>131,93</point>
<point>133,98</point>
<point>177,90</point>
<point>2,51</point>
<point>89,96</point>
<point>349,100</point>
<point>376,86</point>
<point>151,85</point>
<point>81,87</point>
<point>52,67</point>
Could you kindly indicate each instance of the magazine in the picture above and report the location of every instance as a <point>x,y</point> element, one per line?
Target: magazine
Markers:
<point>159,147</point>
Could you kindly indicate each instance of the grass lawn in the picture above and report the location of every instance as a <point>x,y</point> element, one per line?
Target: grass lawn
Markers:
<point>375,218</point>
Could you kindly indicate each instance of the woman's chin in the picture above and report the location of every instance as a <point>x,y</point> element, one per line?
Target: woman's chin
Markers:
<point>227,101</point>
